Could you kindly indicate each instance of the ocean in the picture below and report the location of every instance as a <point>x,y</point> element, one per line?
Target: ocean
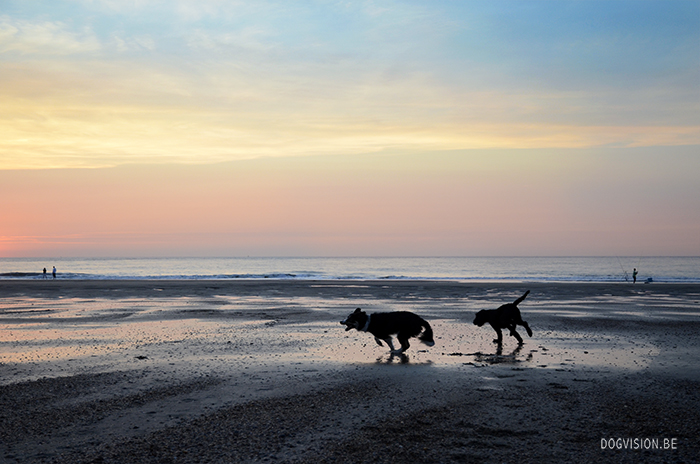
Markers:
<point>527,269</point>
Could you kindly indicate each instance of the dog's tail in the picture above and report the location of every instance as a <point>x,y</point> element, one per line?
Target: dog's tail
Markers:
<point>427,335</point>
<point>519,300</point>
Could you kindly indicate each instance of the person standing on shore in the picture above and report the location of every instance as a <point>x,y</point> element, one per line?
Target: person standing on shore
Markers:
<point>54,272</point>
<point>634,276</point>
<point>44,273</point>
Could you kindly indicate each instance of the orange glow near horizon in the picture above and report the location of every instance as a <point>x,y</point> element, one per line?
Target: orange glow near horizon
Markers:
<point>510,203</point>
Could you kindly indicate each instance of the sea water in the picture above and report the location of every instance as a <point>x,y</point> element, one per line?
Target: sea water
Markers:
<point>517,269</point>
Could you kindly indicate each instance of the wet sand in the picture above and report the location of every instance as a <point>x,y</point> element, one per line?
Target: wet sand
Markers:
<point>262,371</point>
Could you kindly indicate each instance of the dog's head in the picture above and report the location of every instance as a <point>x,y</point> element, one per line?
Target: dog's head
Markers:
<point>481,318</point>
<point>355,320</point>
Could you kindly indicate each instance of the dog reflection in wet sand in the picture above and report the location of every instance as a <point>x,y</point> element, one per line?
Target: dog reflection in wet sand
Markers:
<point>500,358</point>
<point>505,317</point>
<point>403,324</point>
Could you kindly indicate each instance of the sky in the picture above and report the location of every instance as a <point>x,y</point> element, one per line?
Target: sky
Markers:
<point>148,128</point>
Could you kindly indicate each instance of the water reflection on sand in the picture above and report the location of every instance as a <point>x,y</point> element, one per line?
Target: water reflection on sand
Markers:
<point>226,333</point>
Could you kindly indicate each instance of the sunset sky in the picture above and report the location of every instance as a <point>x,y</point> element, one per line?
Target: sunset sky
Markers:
<point>349,128</point>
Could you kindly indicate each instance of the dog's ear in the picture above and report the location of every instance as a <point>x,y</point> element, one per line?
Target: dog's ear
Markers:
<point>357,311</point>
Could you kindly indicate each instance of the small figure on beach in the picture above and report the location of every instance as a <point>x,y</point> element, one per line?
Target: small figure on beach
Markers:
<point>54,272</point>
<point>634,276</point>
<point>505,317</point>
<point>44,273</point>
<point>403,324</point>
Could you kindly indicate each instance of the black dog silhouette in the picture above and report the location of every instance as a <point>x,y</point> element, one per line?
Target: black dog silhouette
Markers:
<point>403,324</point>
<point>505,317</point>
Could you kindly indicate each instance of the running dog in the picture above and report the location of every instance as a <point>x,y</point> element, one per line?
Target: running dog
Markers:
<point>505,317</point>
<point>403,324</point>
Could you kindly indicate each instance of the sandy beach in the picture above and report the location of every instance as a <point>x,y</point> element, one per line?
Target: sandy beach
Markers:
<point>261,371</point>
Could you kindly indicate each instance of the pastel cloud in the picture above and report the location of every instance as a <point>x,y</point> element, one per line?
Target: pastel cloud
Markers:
<point>52,38</point>
<point>210,81</point>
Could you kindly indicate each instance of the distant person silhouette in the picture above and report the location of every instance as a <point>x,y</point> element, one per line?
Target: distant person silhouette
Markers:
<point>634,276</point>
<point>44,273</point>
<point>54,272</point>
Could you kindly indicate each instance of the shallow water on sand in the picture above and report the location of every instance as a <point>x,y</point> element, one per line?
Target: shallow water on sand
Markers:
<point>223,335</point>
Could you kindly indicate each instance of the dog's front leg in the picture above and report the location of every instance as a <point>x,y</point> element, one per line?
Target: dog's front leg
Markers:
<point>498,340</point>
<point>378,340</point>
<point>391,346</point>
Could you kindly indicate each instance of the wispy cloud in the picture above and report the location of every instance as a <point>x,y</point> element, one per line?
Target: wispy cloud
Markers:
<point>45,38</point>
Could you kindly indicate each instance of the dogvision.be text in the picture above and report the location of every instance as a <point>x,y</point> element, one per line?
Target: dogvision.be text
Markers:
<point>639,443</point>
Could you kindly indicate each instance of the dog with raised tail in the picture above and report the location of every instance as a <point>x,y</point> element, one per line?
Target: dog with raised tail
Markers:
<point>403,324</point>
<point>506,316</point>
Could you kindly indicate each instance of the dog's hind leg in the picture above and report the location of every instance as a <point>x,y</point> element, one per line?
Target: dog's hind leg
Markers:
<point>511,327</point>
<point>518,319</point>
<point>517,336</point>
<point>378,340</point>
